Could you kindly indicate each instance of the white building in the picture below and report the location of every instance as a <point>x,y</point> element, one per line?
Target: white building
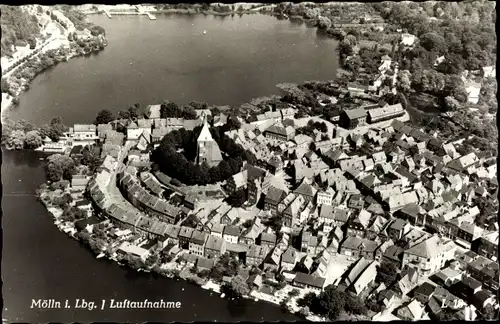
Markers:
<point>325,197</point>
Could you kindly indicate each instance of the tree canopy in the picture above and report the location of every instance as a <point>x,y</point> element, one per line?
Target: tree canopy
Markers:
<point>104,117</point>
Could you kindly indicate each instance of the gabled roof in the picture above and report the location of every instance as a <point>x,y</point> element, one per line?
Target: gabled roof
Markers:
<point>426,249</point>
<point>275,195</point>
<point>306,189</point>
<point>355,113</point>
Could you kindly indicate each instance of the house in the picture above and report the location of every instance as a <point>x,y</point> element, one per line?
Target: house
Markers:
<point>358,225</point>
<point>351,119</point>
<point>408,281</point>
<point>291,213</point>
<point>204,264</point>
<point>84,132</point>
<point>217,230</point>
<point>397,229</point>
<point>411,312</point>
<point>289,259</point>
<point>468,232</point>
<point>463,163</point>
<point>256,254</point>
<point>365,279</point>
<point>79,182</point>
<point>255,281</point>
<point>133,131</point>
<point>275,164</point>
<point>172,233</point>
<point>485,271</point>
<point>356,201</point>
<point>424,292</point>
<point>280,132</point>
<point>153,112</point>
<point>408,39</point>
<point>358,247</point>
<point>231,234</point>
<point>272,260</point>
<point>473,89</point>
<point>273,198</point>
<point>466,288</point>
<point>482,299</point>
<point>429,256</point>
<point>144,140</point>
<point>103,130</point>
<point>214,247</point>
<point>130,249</point>
<point>304,280</point>
<point>185,234</point>
<point>306,190</point>
<point>385,113</point>
<point>250,235</point>
<point>447,277</point>
<point>268,240</point>
<point>386,297</point>
<point>325,197</point>
<point>489,71</point>
<point>197,243</point>
<point>487,245</point>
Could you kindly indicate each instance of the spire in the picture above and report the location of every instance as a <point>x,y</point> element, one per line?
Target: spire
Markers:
<point>205,135</point>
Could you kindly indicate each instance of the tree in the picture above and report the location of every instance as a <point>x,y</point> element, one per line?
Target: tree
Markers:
<point>59,167</point>
<point>324,22</point>
<point>404,81</point>
<point>123,114</point>
<point>170,110</point>
<point>152,259</point>
<point>451,104</point>
<point>433,42</point>
<point>90,159</point>
<point>104,117</point>
<point>306,300</point>
<point>345,48</point>
<point>33,139</point>
<point>353,64</point>
<point>387,273</point>
<point>133,111</point>
<point>16,140</point>
<point>237,288</point>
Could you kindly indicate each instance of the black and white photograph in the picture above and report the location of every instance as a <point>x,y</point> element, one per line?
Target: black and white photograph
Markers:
<point>249,162</point>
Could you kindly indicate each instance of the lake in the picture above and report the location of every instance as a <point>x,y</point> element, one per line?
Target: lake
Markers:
<point>149,61</point>
<point>145,62</point>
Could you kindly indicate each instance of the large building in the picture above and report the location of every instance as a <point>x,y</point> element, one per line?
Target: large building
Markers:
<point>351,119</point>
<point>208,150</point>
<point>385,113</point>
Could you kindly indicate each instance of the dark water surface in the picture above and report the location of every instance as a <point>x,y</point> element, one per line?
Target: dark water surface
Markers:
<point>148,61</point>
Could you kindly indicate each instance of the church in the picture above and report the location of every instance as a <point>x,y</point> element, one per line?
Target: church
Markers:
<point>208,150</point>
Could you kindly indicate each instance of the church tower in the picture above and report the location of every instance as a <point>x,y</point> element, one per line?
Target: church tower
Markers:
<point>208,150</point>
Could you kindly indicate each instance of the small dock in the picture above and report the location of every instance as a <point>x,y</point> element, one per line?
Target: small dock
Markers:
<point>107,13</point>
<point>151,16</point>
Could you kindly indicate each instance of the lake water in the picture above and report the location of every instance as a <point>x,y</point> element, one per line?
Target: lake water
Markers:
<point>146,61</point>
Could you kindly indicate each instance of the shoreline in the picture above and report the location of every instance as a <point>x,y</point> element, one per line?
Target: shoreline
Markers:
<point>170,270</point>
<point>12,101</point>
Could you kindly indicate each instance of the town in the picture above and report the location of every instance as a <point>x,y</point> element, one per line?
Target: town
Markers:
<point>330,201</point>
<point>365,204</point>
